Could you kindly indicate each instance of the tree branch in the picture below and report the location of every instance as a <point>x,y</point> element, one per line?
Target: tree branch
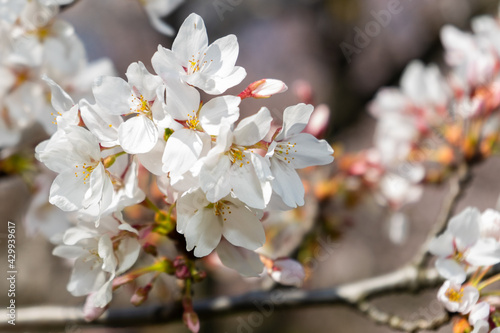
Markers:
<point>405,279</point>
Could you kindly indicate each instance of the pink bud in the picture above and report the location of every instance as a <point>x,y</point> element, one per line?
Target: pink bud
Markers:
<point>288,272</point>
<point>303,90</point>
<point>192,321</point>
<point>264,88</point>
<point>141,295</point>
<point>91,312</point>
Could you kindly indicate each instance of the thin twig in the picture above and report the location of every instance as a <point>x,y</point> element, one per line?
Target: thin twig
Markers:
<point>457,185</point>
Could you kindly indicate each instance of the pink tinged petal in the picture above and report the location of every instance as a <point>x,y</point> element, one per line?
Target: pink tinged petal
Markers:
<point>266,88</point>
<point>451,270</point>
<point>104,126</point>
<point>106,252</point>
<point>138,135</point>
<point>181,100</point>
<point>442,245</point>
<point>218,111</point>
<point>465,228</point>
<point>68,191</point>
<point>127,254</point>
<point>295,119</point>
<point>246,262</point>
<point>305,150</point>
<point>90,311</point>
<point>214,178</point>
<point>182,150</point>
<point>166,64</point>
<point>203,232</point>
<point>480,311</point>
<point>112,94</point>
<point>68,252</point>
<point>253,129</point>
<point>287,184</point>
<point>143,81</point>
<point>486,252</point>
<point>191,39</point>
<point>60,99</point>
<point>152,159</point>
<point>241,227</point>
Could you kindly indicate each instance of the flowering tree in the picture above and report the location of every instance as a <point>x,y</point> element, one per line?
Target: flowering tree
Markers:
<point>148,177</point>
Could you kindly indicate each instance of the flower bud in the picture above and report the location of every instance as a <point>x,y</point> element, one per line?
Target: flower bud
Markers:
<point>264,88</point>
<point>287,272</point>
<point>141,295</point>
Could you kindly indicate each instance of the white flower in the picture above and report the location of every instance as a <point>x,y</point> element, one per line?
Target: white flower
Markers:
<point>479,312</point>
<point>99,258</point>
<point>456,298</point>
<point>210,68</point>
<point>231,167</point>
<point>204,223</point>
<point>460,246</point>
<point>139,97</point>
<point>186,145</point>
<point>82,181</point>
<point>292,150</point>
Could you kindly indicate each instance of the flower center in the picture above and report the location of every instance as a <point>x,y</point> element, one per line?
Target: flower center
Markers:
<point>221,209</point>
<point>195,64</point>
<point>84,171</point>
<point>142,106</point>
<point>192,122</point>
<point>284,151</point>
<point>236,155</point>
<point>454,295</point>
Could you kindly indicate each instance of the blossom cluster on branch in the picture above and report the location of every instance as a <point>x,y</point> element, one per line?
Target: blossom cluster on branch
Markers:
<point>218,173</point>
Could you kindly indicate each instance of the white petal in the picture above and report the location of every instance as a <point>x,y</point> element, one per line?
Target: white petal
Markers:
<point>485,252</point>
<point>218,111</point>
<point>138,135</point>
<point>181,100</point>
<point>246,262</point>
<point>309,151</point>
<point>191,39</point>
<point>254,128</point>
<point>243,228</point>
<point>295,119</point>
<point>287,183</point>
<point>112,94</point>
<point>442,245</point>
<point>182,150</point>
<point>103,125</point>
<point>60,99</point>
<point>214,178</point>
<point>451,270</point>
<point>203,232</point>
<point>465,227</point>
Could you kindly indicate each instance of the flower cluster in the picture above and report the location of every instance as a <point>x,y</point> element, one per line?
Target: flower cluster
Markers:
<point>36,42</point>
<point>471,242</point>
<point>218,173</point>
<point>431,123</point>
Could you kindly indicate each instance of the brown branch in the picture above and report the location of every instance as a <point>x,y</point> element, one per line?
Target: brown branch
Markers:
<point>352,294</point>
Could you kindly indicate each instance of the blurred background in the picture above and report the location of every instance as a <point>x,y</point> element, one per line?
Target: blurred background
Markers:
<point>297,41</point>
